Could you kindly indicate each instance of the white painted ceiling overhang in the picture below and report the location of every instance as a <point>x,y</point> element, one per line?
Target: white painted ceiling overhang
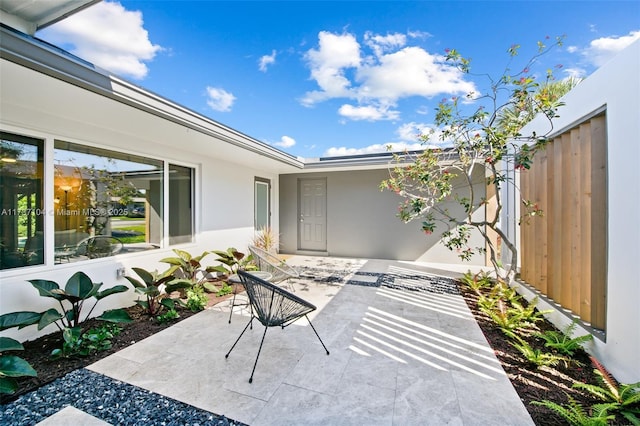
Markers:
<point>30,16</point>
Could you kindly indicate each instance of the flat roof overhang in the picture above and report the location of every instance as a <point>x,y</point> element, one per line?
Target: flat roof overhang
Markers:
<point>30,16</point>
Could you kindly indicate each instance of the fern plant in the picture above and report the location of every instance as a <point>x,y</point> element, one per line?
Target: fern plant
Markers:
<point>477,282</point>
<point>562,341</point>
<point>538,357</point>
<point>576,415</point>
<point>513,316</point>
<point>618,397</point>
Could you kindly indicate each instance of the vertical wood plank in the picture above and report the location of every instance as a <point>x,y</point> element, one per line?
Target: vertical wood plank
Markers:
<point>585,221</point>
<point>599,222</point>
<point>557,219</point>
<point>549,215</point>
<point>525,234</point>
<point>565,235</point>
<point>541,222</point>
<point>576,235</point>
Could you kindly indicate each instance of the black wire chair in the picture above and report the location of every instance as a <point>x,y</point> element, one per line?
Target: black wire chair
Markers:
<point>273,307</point>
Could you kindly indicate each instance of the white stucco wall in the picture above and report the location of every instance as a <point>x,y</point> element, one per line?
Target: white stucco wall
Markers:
<point>37,105</point>
<point>616,86</point>
<point>362,221</point>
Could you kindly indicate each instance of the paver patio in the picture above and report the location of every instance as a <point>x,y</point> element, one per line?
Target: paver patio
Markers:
<point>398,357</point>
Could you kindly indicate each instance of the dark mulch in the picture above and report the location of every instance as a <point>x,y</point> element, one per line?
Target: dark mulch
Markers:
<point>531,383</point>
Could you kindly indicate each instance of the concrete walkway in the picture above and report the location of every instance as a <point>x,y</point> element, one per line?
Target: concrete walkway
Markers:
<point>398,357</point>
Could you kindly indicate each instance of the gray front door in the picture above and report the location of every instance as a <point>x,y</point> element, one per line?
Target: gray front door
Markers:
<point>312,214</point>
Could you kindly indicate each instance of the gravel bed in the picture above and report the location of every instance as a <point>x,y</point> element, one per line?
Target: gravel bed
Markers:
<point>110,400</point>
<point>420,282</point>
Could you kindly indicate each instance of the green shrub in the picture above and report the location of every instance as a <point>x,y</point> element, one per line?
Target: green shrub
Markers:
<point>196,299</point>
<point>171,314</point>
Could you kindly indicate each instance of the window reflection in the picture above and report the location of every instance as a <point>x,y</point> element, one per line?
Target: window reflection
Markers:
<point>105,202</point>
<point>21,205</point>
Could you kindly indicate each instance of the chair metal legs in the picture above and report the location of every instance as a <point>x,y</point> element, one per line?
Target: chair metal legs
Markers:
<point>239,337</point>
<point>262,341</point>
<point>257,356</point>
<point>314,330</point>
<point>233,303</point>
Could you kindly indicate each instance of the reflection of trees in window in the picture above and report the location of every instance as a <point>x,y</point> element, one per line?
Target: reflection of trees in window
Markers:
<point>21,208</point>
<point>96,189</point>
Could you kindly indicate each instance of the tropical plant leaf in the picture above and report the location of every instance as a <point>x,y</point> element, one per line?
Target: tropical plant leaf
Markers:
<point>135,283</point>
<point>14,366</point>
<point>19,319</point>
<point>168,303</point>
<point>185,255</point>
<point>217,268</point>
<point>146,276</point>
<point>49,317</point>
<point>9,344</point>
<point>80,285</point>
<point>172,261</point>
<point>112,290</point>
<point>116,315</point>
<point>45,288</point>
<point>177,285</point>
<point>8,385</point>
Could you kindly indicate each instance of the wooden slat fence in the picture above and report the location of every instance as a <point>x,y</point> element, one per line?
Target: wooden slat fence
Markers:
<point>564,252</point>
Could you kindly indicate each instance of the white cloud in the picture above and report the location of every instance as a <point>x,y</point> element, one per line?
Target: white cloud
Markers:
<point>373,149</point>
<point>267,60</point>
<point>335,53</point>
<point>419,34</point>
<point>377,74</point>
<point>381,44</point>
<point>601,50</point>
<point>575,72</point>
<point>411,72</point>
<point>413,131</point>
<point>572,49</point>
<point>285,142</point>
<point>219,99</point>
<point>368,112</point>
<point>107,35</point>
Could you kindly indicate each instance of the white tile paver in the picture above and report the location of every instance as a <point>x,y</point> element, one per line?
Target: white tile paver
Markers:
<point>398,357</point>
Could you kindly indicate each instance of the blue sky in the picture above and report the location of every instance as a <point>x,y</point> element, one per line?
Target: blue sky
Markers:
<point>335,78</point>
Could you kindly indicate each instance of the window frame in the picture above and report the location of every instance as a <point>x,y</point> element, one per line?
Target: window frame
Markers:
<point>261,181</point>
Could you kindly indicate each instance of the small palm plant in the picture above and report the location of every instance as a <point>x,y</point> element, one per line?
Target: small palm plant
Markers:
<point>266,239</point>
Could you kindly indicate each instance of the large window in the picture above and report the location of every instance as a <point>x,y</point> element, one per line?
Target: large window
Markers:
<point>106,202</point>
<point>98,202</point>
<point>21,201</point>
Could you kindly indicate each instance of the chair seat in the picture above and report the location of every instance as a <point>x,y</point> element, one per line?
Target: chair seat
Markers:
<point>268,262</point>
<point>272,306</point>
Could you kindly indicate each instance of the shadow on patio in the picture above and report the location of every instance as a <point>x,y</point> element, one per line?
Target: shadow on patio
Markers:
<point>404,350</point>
